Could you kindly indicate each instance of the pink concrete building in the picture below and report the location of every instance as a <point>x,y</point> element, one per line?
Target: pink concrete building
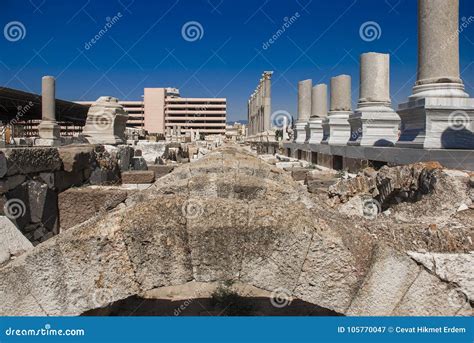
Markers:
<point>163,108</point>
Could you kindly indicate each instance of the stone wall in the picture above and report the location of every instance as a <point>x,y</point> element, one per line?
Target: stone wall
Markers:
<point>31,179</point>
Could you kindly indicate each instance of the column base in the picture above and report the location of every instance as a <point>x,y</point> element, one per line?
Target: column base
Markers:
<point>300,131</point>
<point>437,123</point>
<point>339,128</point>
<point>315,128</point>
<point>441,90</point>
<point>49,130</point>
<point>47,142</point>
<point>374,126</point>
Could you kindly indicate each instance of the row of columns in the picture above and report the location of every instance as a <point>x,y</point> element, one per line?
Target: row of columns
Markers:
<point>425,121</point>
<point>259,106</point>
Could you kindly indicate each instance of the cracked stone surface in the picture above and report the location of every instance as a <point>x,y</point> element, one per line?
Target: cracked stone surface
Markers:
<point>230,217</point>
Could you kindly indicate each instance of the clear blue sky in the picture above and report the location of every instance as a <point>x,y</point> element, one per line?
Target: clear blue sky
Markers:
<point>145,47</point>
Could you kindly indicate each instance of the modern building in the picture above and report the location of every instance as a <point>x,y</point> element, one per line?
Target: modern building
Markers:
<point>163,109</point>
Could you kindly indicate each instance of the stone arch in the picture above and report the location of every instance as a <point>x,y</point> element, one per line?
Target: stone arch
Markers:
<point>266,236</point>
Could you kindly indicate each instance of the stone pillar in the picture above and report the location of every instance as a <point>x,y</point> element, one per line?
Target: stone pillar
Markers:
<point>438,49</point>
<point>48,130</point>
<point>374,123</point>
<point>337,123</point>
<point>319,111</point>
<point>267,100</point>
<point>319,102</point>
<point>440,113</point>
<point>304,109</point>
<point>374,78</point>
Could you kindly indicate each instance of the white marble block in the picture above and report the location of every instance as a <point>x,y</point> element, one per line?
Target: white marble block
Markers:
<point>106,122</point>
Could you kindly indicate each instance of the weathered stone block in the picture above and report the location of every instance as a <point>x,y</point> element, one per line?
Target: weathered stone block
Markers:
<point>139,163</point>
<point>138,176</point>
<point>160,170</point>
<point>61,180</point>
<point>298,174</point>
<point>156,231</point>
<point>13,242</point>
<point>124,157</point>
<point>11,182</point>
<point>76,158</point>
<point>32,160</point>
<point>76,205</point>
<point>390,276</point>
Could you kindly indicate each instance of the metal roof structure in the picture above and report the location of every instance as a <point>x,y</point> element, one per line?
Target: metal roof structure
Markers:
<point>22,106</point>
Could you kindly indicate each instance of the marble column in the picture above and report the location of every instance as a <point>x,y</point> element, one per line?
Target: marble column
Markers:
<point>304,109</point>
<point>48,130</point>
<point>374,122</point>
<point>267,99</point>
<point>340,109</point>
<point>438,49</point>
<point>319,111</point>
<point>440,113</point>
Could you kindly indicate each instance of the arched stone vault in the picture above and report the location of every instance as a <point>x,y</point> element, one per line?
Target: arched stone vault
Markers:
<point>228,217</point>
